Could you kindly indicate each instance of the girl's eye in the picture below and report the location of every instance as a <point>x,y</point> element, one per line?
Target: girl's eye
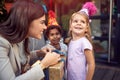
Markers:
<point>51,34</point>
<point>75,21</point>
<point>83,21</point>
<point>57,33</point>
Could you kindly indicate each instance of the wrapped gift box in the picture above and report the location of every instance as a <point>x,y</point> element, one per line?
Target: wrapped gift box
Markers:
<point>56,72</point>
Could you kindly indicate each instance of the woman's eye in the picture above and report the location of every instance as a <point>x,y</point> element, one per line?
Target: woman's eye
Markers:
<point>42,22</point>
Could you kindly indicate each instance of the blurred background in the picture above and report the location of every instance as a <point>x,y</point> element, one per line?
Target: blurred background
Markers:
<point>105,25</point>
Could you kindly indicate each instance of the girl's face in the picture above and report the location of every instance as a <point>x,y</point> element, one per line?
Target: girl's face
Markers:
<point>37,27</point>
<point>78,25</point>
<point>54,36</point>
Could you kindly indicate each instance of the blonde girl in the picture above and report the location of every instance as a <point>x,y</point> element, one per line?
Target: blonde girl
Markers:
<point>80,60</point>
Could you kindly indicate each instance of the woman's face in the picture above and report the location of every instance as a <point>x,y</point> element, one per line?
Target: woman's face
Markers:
<point>37,27</point>
<point>54,36</point>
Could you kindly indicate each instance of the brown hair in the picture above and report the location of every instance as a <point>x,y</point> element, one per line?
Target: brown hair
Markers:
<point>22,13</point>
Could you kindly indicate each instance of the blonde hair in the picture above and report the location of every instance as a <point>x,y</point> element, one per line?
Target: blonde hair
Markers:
<point>88,32</point>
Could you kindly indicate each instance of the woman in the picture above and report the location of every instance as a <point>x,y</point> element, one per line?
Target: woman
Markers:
<point>25,19</point>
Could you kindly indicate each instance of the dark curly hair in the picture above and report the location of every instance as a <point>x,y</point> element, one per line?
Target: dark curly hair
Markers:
<point>47,31</point>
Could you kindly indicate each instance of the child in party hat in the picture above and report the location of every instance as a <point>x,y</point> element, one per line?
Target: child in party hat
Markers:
<point>80,59</point>
<point>53,34</point>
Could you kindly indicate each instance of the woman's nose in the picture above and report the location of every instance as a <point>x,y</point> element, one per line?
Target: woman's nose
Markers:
<point>44,27</point>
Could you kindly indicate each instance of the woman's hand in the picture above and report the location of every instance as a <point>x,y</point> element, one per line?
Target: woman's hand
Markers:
<point>50,58</point>
<point>43,51</point>
<point>46,50</point>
